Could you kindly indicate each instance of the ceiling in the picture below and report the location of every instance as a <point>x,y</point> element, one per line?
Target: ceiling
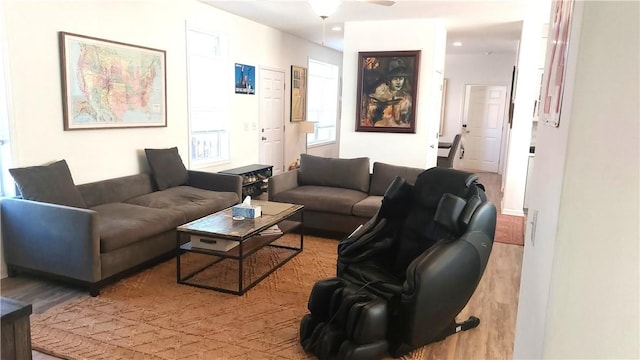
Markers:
<point>483,27</point>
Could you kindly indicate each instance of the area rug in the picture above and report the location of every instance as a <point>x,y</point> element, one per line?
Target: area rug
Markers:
<point>510,229</point>
<point>150,316</point>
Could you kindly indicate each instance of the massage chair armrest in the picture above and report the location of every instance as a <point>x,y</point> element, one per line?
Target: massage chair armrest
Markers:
<point>440,282</point>
<point>216,182</point>
<point>282,182</point>
<point>55,239</point>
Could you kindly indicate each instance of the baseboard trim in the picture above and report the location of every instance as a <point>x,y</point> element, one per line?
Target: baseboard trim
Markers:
<point>512,212</point>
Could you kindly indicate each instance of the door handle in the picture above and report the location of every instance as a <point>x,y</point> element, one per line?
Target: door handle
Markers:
<point>264,138</point>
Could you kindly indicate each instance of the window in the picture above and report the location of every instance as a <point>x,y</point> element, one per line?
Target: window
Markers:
<point>208,72</point>
<point>6,181</point>
<point>7,187</point>
<point>322,100</point>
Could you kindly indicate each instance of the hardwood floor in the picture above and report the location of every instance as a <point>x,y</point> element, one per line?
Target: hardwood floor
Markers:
<point>492,183</point>
<point>495,301</point>
<point>42,294</point>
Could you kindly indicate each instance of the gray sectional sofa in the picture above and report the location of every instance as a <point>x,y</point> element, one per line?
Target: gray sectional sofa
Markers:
<point>338,194</point>
<point>95,233</point>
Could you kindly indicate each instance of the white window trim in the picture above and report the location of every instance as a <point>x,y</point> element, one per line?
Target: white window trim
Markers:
<point>311,142</point>
<point>222,104</point>
<point>7,185</point>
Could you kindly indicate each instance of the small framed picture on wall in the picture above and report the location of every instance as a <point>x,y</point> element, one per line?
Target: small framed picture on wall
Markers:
<point>298,93</point>
<point>245,79</point>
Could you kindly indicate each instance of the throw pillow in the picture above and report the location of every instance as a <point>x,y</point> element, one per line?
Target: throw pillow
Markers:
<point>167,167</point>
<point>48,183</point>
<point>343,173</point>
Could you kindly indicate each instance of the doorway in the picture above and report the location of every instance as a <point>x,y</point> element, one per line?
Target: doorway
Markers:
<point>271,133</point>
<point>482,123</point>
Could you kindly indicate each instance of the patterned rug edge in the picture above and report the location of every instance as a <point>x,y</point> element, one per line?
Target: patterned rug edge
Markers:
<point>510,230</point>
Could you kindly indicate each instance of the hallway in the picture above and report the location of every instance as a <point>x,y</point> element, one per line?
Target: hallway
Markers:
<point>492,183</point>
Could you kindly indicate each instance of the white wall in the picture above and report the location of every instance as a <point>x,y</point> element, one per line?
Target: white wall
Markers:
<point>401,149</point>
<point>472,69</point>
<point>99,154</point>
<point>525,95</point>
<point>36,99</point>
<point>579,293</point>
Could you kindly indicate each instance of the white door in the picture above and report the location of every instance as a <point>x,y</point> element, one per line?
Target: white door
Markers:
<point>271,132</point>
<point>483,117</point>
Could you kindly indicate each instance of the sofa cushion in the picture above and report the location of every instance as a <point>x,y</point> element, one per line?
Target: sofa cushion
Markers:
<point>194,203</point>
<point>384,174</point>
<point>123,224</point>
<point>116,189</point>
<point>167,167</point>
<point>368,207</point>
<point>48,183</point>
<point>322,198</point>
<point>340,173</point>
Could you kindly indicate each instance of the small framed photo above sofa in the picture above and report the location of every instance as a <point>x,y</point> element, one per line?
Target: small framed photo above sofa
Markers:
<point>108,84</point>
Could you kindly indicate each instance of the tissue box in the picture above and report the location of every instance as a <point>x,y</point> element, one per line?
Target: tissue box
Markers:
<point>248,212</point>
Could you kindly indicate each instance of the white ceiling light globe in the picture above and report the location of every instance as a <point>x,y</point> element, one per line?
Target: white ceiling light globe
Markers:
<point>324,8</point>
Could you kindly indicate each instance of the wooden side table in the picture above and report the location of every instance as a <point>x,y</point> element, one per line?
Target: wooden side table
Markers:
<point>16,329</point>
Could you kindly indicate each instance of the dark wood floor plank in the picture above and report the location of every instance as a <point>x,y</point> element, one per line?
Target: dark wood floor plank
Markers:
<point>42,294</point>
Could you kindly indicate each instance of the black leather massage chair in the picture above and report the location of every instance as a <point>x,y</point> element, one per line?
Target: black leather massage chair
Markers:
<point>404,275</point>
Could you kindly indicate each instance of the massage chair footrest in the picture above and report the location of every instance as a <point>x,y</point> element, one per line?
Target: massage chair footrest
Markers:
<point>345,322</point>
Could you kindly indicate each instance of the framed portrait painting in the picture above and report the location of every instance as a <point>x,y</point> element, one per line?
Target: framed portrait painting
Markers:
<point>109,84</point>
<point>387,84</point>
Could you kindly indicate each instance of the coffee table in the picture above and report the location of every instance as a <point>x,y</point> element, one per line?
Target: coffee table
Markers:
<point>214,269</point>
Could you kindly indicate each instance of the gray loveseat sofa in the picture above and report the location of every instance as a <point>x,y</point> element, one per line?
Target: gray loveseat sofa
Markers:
<point>338,194</point>
<point>95,233</point>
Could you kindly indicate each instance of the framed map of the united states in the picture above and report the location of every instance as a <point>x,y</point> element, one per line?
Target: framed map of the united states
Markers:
<point>108,84</point>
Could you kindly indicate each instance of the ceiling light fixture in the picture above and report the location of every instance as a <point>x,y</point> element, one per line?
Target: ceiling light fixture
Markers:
<point>457,43</point>
<point>324,9</point>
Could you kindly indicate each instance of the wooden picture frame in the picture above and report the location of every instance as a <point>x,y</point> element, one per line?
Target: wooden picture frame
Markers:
<point>443,104</point>
<point>298,93</point>
<point>555,61</point>
<point>387,87</point>
<point>108,84</point>
<point>512,99</point>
